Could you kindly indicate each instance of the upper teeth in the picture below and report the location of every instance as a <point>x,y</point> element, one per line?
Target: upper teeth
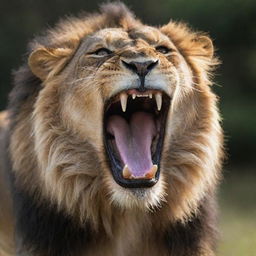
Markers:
<point>158,101</point>
<point>123,99</point>
<point>124,96</point>
<point>142,95</point>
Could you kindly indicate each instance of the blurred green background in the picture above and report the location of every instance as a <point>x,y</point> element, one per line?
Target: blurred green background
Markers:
<point>232,25</point>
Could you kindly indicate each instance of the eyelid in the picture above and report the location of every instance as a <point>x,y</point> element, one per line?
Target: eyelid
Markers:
<point>100,49</point>
<point>163,47</point>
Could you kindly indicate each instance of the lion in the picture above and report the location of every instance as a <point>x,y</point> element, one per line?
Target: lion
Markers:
<point>111,143</point>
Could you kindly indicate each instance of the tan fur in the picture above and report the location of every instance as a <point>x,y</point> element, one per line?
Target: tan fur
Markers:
<point>67,163</point>
<point>3,119</point>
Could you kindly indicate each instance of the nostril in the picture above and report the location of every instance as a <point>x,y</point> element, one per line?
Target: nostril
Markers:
<point>152,65</point>
<point>130,66</point>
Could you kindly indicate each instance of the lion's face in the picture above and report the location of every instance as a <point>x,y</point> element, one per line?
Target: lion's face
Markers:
<point>113,77</point>
<point>124,116</point>
<point>118,95</point>
<point>121,87</point>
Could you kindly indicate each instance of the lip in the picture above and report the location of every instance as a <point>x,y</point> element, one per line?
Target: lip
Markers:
<point>146,102</point>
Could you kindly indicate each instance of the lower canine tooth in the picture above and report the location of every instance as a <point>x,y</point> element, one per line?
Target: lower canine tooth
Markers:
<point>123,99</point>
<point>159,101</point>
<point>126,172</point>
<point>152,173</point>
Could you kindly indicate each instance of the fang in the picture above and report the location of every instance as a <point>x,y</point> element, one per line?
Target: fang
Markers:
<point>123,99</point>
<point>158,101</point>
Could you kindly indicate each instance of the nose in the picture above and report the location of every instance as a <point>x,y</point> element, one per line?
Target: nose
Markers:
<point>140,68</point>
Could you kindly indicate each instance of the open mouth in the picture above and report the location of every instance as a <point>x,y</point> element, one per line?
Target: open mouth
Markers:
<point>134,130</point>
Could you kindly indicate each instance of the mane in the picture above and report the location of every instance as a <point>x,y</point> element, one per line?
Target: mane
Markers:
<point>68,178</point>
<point>68,33</point>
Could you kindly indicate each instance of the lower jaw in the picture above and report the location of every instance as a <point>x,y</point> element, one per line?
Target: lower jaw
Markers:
<point>137,186</point>
<point>142,199</point>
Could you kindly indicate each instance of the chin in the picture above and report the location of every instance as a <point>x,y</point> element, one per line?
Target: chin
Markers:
<point>143,199</point>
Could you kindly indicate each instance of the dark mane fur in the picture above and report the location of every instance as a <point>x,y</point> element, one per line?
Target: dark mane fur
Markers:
<point>44,230</point>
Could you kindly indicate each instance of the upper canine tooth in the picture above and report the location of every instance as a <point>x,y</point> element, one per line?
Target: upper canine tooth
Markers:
<point>158,100</point>
<point>123,99</point>
<point>133,96</point>
<point>150,95</point>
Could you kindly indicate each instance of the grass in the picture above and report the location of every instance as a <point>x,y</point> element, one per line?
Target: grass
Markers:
<point>238,214</point>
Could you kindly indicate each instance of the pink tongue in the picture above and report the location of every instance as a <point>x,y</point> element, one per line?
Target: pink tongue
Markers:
<point>133,140</point>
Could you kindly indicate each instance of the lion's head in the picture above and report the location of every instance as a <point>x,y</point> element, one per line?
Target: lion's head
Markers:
<point>124,117</point>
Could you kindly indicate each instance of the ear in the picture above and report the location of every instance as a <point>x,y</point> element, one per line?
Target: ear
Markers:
<point>203,46</point>
<point>187,41</point>
<point>47,62</point>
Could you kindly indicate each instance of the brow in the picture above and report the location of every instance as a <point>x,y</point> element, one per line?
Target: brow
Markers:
<point>145,36</point>
<point>121,42</point>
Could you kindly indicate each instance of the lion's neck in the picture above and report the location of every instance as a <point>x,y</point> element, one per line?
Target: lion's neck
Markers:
<point>132,233</point>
